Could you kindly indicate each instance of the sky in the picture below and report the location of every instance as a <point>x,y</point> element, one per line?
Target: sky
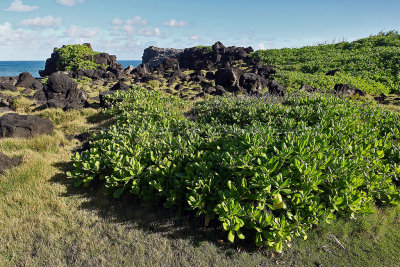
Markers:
<point>30,29</point>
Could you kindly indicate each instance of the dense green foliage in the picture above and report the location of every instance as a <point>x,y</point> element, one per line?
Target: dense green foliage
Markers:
<point>76,57</point>
<point>267,168</point>
<point>371,64</point>
<point>205,49</point>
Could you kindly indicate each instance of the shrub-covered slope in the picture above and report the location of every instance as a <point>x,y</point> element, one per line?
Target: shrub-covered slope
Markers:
<point>371,64</point>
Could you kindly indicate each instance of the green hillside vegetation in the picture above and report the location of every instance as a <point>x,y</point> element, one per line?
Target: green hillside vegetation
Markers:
<point>371,64</point>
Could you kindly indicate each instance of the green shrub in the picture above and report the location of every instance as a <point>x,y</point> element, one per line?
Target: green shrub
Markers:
<point>205,49</point>
<point>76,57</point>
<point>267,168</point>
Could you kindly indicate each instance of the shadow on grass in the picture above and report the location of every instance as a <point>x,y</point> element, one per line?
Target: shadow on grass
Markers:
<point>156,219</point>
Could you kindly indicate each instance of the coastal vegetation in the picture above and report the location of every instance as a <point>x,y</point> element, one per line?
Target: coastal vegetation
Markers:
<point>184,177</point>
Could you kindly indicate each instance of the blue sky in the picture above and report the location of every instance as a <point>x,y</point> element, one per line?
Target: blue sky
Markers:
<point>30,29</point>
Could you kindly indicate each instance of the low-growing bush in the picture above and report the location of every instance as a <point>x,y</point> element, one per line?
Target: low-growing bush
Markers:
<point>76,57</point>
<point>267,169</point>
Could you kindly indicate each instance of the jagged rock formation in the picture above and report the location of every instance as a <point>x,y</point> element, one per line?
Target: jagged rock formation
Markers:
<point>229,67</point>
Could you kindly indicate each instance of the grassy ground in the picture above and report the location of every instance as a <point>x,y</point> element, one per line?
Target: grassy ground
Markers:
<point>45,221</point>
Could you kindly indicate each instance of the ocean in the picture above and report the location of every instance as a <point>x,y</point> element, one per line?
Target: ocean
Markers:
<point>14,68</point>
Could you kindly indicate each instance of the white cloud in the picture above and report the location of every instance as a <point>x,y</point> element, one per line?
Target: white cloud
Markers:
<point>175,23</point>
<point>194,37</point>
<point>6,29</point>
<point>18,6</point>
<point>129,29</point>
<point>45,22</point>
<point>77,32</point>
<point>136,20</point>
<point>117,21</point>
<point>116,28</point>
<point>69,2</point>
<point>261,46</point>
<point>149,32</point>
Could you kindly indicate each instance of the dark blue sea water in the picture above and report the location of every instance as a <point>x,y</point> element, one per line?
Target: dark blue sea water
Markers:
<point>14,68</point>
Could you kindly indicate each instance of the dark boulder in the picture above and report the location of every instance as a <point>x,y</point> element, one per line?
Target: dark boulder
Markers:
<point>252,82</point>
<point>24,126</point>
<point>240,53</point>
<point>154,56</point>
<point>218,48</point>
<point>8,163</point>
<point>332,72</point>
<point>61,92</point>
<point>274,88</point>
<point>179,87</point>
<point>26,80</point>
<point>61,83</point>
<point>263,70</point>
<point>347,90</point>
<point>7,86</point>
<point>98,74</point>
<point>89,73</point>
<point>228,78</point>
<point>109,75</point>
<point>40,97</point>
<point>120,85</point>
